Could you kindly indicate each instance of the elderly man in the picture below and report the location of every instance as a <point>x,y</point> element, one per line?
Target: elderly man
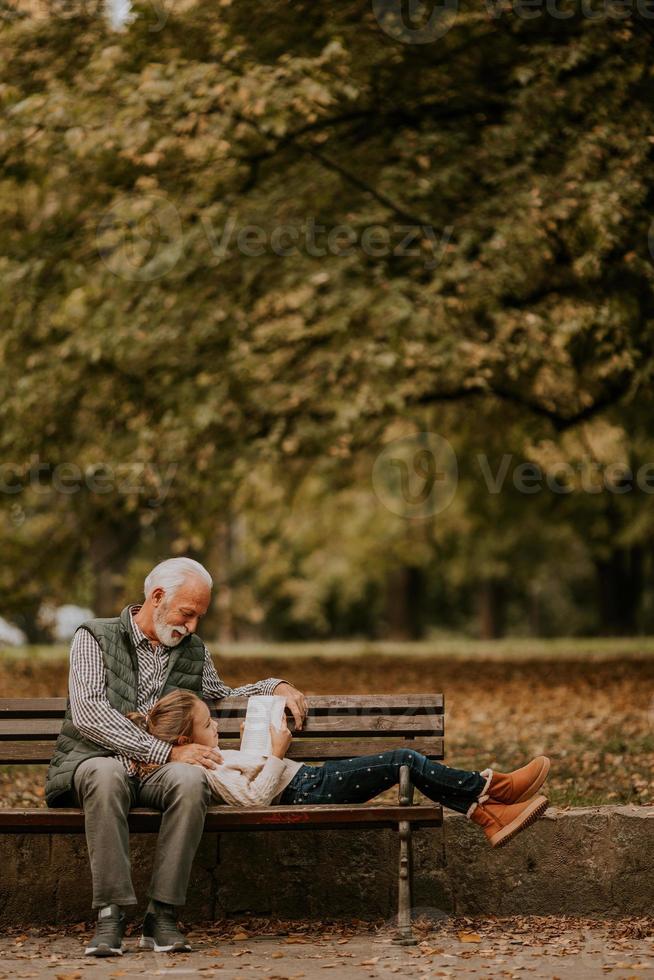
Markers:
<point>126,664</point>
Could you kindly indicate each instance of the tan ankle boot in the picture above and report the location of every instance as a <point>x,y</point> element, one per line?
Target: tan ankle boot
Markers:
<point>521,784</point>
<point>501,822</point>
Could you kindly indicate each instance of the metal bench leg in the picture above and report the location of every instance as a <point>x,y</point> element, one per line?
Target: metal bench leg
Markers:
<point>404,903</point>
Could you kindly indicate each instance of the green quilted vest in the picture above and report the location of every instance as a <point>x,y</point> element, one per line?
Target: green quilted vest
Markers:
<point>185,666</point>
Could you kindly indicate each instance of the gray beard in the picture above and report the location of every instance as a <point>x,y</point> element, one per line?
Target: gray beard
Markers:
<point>165,631</point>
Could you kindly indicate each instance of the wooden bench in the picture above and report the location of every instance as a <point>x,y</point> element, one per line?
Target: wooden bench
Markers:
<point>337,727</point>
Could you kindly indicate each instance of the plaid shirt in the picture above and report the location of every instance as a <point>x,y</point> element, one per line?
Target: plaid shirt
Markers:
<point>98,721</point>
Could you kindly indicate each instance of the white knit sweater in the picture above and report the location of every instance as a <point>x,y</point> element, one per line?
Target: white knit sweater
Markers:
<point>243,779</point>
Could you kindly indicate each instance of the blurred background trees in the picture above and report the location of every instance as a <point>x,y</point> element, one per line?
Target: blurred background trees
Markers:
<point>214,321</point>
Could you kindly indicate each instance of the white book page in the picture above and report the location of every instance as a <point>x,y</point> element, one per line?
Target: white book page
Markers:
<point>263,710</point>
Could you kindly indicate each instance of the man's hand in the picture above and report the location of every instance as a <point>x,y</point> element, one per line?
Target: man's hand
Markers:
<point>196,754</point>
<point>295,701</point>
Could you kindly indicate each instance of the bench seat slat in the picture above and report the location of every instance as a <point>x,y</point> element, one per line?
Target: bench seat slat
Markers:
<point>304,750</point>
<point>38,728</point>
<point>360,703</point>
<point>226,818</point>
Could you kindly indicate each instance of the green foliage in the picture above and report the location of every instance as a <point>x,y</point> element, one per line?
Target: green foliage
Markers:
<point>519,151</point>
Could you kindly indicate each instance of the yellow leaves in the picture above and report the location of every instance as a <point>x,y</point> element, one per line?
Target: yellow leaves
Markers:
<point>151,159</point>
<point>74,137</point>
<point>75,306</point>
<point>156,89</point>
<point>469,937</point>
<point>334,51</point>
<point>290,445</point>
<point>186,124</point>
<point>198,149</point>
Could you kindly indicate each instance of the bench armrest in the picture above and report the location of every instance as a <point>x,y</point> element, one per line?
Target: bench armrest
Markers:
<point>406,787</point>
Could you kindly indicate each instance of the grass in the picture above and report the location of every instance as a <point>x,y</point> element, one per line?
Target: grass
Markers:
<point>446,646</point>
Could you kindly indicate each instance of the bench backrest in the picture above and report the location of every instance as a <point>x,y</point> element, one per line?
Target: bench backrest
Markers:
<point>338,726</point>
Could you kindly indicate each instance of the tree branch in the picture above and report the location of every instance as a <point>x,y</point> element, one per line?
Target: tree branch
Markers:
<point>560,421</point>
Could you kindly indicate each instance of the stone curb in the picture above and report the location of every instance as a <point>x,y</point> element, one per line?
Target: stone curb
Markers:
<point>597,860</point>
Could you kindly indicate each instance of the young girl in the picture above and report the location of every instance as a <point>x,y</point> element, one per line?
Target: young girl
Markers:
<point>502,804</point>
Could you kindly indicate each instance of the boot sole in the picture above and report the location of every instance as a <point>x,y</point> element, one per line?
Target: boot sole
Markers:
<point>103,951</point>
<point>537,782</point>
<point>537,808</point>
<point>147,942</point>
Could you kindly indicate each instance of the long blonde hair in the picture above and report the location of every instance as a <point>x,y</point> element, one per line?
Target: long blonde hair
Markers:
<point>169,718</point>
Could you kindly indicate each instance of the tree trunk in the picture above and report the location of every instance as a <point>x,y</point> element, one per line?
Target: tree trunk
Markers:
<point>28,620</point>
<point>491,607</point>
<point>404,604</point>
<point>619,590</point>
<point>220,622</point>
<point>110,551</point>
<point>534,614</point>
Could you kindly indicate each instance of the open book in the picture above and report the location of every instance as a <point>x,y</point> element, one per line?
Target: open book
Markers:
<point>263,711</point>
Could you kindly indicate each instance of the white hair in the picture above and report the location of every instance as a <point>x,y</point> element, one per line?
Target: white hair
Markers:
<point>170,574</point>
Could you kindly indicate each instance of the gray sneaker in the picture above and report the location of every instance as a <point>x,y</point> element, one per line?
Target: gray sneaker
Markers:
<point>161,934</point>
<point>108,938</point>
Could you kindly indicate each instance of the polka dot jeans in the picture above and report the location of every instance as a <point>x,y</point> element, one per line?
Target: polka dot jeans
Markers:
<point>360,779</point>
